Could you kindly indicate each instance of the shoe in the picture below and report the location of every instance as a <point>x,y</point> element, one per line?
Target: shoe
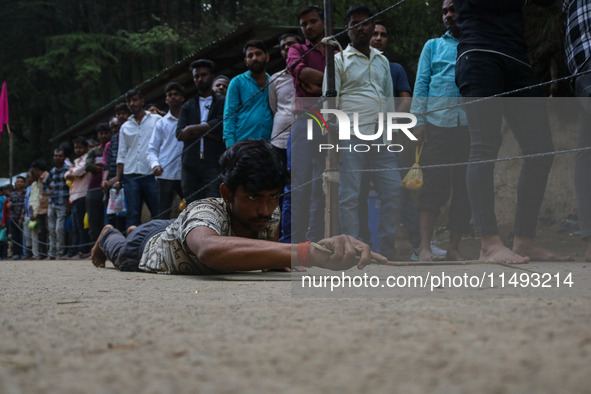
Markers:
<point>83,256</point>
<point>437,251</point>
<point>16,257</point>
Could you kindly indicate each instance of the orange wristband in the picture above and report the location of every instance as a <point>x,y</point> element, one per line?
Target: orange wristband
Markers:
<point>304,253</point>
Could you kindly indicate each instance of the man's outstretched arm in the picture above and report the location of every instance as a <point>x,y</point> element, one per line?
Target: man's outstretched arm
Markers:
<point>245,254</point>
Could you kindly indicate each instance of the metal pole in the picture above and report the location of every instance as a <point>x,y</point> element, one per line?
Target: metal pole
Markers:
<point>332,160</point>
<point>10,156</point>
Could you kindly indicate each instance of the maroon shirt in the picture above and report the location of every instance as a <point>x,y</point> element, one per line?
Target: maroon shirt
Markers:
<point>314,59</point>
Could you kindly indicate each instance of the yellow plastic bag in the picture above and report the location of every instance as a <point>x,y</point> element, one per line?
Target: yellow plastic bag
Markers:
<point>414,178</point>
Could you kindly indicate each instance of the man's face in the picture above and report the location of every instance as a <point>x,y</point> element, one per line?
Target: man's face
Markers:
<point>19,184</point>
<point>220,86</point>
<point>360,35</point>
<point>312,26</point>
<point>114,125</point>
<point>121,117</point>
<point>379,38</point>
<point>174,98</point>
<point>285,44</point>
<point>252,211</point>
<point>103,136</point>
<point>79,150</point>
<point>202,78</point>
<point>256,60</point>
<point>59,158</point>
<point>448,14</point>
<point>135,104</point>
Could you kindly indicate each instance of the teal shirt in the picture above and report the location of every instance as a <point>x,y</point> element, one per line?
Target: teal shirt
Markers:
<point>254,120</point>
<point>435,85</point>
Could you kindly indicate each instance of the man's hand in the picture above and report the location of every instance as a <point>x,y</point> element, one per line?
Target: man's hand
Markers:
<point>421,133</point>
<point>345,251</point>
<point>157,171</point>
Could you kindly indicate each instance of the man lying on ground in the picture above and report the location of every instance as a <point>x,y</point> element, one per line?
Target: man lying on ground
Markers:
<point>237,232</point>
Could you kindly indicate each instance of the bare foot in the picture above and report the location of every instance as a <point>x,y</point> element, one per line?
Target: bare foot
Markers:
<point>97,255</point>
<point>500,253</point>
<point>454,255</point>
<point>425,254</point>
<point>525,246</point>
<point>130,229</point>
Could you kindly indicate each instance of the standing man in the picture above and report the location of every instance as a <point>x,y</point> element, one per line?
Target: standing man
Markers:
<point>57,189</point>
<point>80,179</point>
<point>133,168</point>
<point>200,129</point>
<point>94,198</point>
<point>164,151</point>
<point>110,158</point>
<point>446,139</point>
<point>492,59</point>
<point>304,220</point>
<point>39,203</point>
<point>578,58</point>
<point>364,86</point>
<point>220,85</point>
<point>281,97</point>
<point>247,113</point>
<point>16,206</point>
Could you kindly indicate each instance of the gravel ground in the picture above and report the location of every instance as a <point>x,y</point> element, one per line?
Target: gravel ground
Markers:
<point>67,327</point>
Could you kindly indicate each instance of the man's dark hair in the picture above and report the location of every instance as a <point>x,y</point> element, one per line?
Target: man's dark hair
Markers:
<point>66,147</point>
<point>102,127</point>
<point>254,43</point>
<point>122,107</point>
<point>81,141</point>
<point>174,86</point>
<point>294,35</point>
<point>381,23</point>
<point>39,164</point>
<point>132,92</point>
<point>22,177</point>
<point>311,8</point>
<point>357,9</point>
<point>202,63</point>
<point>58,150</point>
<point>254,164</point>
<point>221,76</point>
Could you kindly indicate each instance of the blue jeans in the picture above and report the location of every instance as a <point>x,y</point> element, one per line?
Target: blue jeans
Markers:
<point>139,188</point>
<point>304,219</point>
<point>387,184</point>
<point>481,74</point>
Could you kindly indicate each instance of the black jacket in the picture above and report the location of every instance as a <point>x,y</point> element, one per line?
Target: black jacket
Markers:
<point>212,148</point>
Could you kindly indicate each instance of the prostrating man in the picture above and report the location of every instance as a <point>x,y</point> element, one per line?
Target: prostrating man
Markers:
<point>364,86</point>
<point>304,220</point>
<point>232,233</point>
<point>80,179</point>
<point>247,114</point>
<point>55,186</point>
<point>578,58</point>
<point>281,97</point>
<point>133,168</point>
<point>200,129</point>
<point>492,59</point>
<point>164,151</point>
<point>446,139</point>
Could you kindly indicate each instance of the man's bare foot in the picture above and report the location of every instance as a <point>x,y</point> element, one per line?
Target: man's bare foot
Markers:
<point>130,229</point>
<point>425,254</point>
<point>97,255</point>
<point>454,255</point>
<point>494,250</point>
<point>525,246</point>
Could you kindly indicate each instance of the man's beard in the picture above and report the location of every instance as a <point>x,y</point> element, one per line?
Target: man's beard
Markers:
<point>258,68</point>
<point>204,87</point>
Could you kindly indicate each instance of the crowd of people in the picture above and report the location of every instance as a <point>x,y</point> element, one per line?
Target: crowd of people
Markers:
<point>60,212</point>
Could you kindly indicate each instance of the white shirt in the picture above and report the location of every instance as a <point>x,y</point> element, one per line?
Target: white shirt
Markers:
<point>133,144</point>
<point>364,85</point>
<point>281,96</point>
<point>164,149</point>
